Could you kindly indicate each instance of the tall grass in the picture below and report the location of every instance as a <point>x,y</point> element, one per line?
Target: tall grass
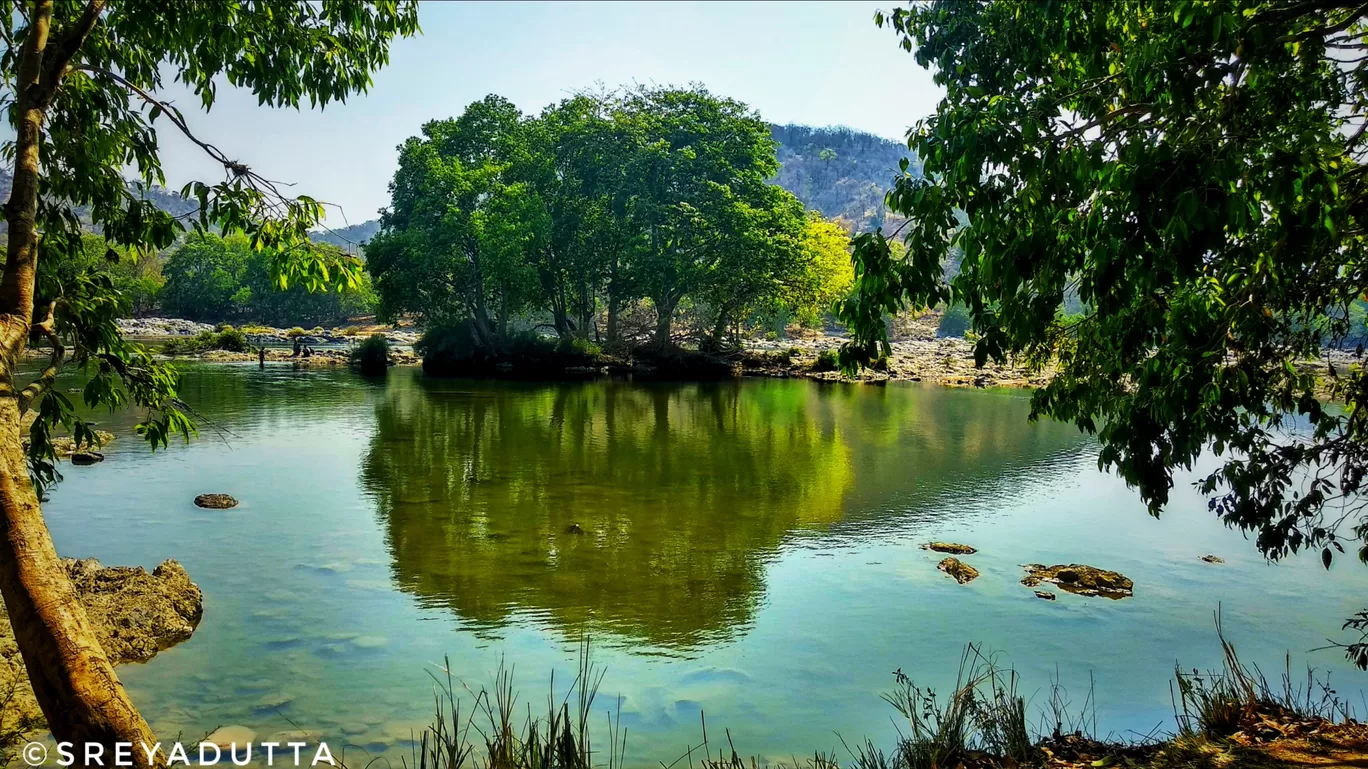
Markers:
<point>983,721</point>
<point>494,732</point>
<point>1219,703</point>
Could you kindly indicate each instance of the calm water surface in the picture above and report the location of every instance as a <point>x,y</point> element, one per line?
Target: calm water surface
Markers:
<point>745,549</point>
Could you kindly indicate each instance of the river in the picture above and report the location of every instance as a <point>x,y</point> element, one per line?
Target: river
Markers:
<point>745,549</point>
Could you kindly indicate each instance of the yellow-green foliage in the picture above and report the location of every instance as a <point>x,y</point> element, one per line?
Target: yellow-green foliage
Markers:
<point>827,272</point>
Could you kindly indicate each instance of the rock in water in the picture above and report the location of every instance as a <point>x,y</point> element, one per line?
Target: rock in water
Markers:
<point>1213,559</point>
<point>134,615</point>
<point>1080,580</point>
<point>1045,595</point>
<point>86,457</point>
<point>961,571</point>
<point>954,548</point>
<point>215,501</point>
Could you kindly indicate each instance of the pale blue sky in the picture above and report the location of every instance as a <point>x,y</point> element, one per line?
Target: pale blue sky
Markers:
<point>819,63</point>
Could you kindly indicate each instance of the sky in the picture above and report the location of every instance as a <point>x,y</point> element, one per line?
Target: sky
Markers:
<point>817,63</point>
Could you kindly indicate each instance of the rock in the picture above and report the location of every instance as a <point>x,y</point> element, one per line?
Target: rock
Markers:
<point>369,642</point>
<point>134,615</point>
<point>215,501</point>
<point>295,735</point>
<point>961,571</point>
<point>1045,595</point>
<point>355,728</point>
<point>1213,559</point>
<point>226,736</point>
<point>86,457</point>
<point>950,547</point>
<point>1080,579</point>
<point>574,528</point>
<point>274,701</point>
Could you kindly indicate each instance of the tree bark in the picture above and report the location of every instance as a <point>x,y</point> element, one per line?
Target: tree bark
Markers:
<point>665,309</point>
<point>72,679</point>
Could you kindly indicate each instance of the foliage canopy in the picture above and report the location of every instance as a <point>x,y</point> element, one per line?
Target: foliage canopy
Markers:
<point>1195,170</point>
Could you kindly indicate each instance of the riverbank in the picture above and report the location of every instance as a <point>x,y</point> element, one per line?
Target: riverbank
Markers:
<point>918,355</point>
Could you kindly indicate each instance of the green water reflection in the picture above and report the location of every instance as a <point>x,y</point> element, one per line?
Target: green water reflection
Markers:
<point>650,510</point>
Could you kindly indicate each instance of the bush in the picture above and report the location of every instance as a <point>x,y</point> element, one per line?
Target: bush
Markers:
<point>295,332</point>
<point>229,339</point>
<point>954,321</point>
<point>578,346</point>
<point>826,361</point>
<point>372,355</point>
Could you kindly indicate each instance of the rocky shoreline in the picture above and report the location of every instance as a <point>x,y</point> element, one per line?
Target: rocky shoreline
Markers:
<point>135,615</point>
<point>918,355</point>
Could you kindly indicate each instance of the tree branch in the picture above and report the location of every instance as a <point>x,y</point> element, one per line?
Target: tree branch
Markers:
<point>37,387</point>
<point>63,52</point>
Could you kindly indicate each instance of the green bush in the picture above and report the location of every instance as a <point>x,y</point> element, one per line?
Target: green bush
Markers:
<point>826,361</point>
<point>372,355</point>
<point>578,346</point>
<point>954,321</point>
<point>229,339</point>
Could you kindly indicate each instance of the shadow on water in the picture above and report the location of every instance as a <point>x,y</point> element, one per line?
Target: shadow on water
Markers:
<point>650,510</point>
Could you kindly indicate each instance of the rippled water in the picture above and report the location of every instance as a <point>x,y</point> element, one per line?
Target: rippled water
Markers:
<point>743,549</point>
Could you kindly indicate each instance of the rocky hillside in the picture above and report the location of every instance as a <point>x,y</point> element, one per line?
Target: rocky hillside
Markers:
<point>840,172</point>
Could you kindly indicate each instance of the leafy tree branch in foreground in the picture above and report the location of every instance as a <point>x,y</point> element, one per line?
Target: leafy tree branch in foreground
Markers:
<point>80,89</point>
<point>1195,172</point>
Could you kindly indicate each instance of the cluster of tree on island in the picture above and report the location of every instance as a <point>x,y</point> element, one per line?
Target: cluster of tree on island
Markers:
<point>839,175</point>
<point>597,202</point>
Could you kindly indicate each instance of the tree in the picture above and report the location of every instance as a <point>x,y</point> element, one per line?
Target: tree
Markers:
<point>693,158</point>
<point>826,272</point>
<point>80,91</point>
<point>213,278</point>
<point>453,244</point>
<point>1196,171</point>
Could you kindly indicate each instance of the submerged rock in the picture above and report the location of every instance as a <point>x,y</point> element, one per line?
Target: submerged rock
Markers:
<point>1045,595</point>
<point>961,571</point>
<point>226,736</point>
<point>954,548</point>
<point>134,615</point>
<point>215,501</point>
<point>1080,579</point>
<point>1213,559</point>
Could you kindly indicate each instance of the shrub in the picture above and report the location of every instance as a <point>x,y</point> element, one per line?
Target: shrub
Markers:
<point>826,361</point>
<point>296,332</point>
<point>229,339</point>
<point>372,355</point>
<point>954,321</point>
<point>578,346</point>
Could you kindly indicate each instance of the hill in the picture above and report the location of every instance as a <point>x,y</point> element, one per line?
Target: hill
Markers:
<point>841,172</point>
<point>350,237</point>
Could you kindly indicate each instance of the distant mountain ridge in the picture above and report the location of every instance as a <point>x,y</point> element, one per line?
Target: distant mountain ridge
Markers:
<point>839,171</point>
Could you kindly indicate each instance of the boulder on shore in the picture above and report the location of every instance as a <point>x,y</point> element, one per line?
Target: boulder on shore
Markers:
<point>1080,579</point>
<point>953,548</point>
<point>961,571</point>
<point>134,615</point>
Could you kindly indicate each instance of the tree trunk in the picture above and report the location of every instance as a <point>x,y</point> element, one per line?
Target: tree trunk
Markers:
<point>665,309</point>
<point>72,679</point>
